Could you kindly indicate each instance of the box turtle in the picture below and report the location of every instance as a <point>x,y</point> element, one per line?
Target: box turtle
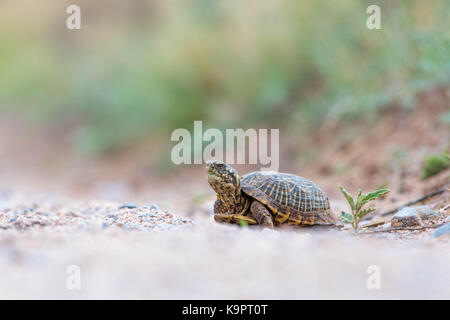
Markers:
<point>267,198</point>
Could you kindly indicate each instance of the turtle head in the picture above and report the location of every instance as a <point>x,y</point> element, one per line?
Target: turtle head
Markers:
<point>223,179</point>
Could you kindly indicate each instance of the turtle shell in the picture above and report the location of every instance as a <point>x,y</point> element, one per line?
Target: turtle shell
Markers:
<point>291,199</point>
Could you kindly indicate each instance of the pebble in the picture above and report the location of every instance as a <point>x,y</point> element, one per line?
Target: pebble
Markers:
<point>426,212</point>
<point>406,217</point>
<point>128,206</point>
<point>442,231</point>
<point>88,216</point>
<point>113,216</point>
<point>154,207</point>
<point>413,217</point>
<point>386,226</point>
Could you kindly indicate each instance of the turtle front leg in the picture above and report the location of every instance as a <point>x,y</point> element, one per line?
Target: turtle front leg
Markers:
<point>221,215</point>
<point>261,214</point>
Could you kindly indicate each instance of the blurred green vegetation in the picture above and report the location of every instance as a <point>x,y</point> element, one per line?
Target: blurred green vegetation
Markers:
<point>432,165</point>
<point>151,67</point>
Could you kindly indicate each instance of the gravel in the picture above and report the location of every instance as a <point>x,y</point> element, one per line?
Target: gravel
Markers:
<point>146,253</point>
<point>64,215</point>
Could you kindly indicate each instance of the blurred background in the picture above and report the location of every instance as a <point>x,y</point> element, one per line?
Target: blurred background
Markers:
<point>90,112</point>
<point>86,118</point>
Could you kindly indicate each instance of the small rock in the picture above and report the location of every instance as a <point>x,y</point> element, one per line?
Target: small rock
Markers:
<point>72,214</point>
<point>386,226</point>
<point>406,217</point>
<point>442,231</point>
<point>128,206</point>
<point>426,212</point>
<point>413,217</point>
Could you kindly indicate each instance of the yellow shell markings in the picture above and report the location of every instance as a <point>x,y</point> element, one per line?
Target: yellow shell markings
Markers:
<point>318,201</point>
<point>292,194</point>
<point>319,204</point>
<point>294,199</point>
<point>304,202</point>
<point>313,201</point>
<point>322,204</point>
<point>298,200</point>
<point>295,222</point>
<point>266,186</point>
<point>271,190</point>
<point>308,204</point>
<point>282,193</point>
<point>286,195</point>
<point>276,193</point>
<point>281,217</point>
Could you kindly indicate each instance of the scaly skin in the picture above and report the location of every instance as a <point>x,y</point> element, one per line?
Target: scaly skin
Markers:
<point>225,181</point>
<point>221,215</point>
<point>231,205</point>
<point>261,214</point>
<point>267,198</point>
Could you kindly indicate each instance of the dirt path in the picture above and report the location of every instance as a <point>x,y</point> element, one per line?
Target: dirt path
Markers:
<point>147,253</point>
<point>59,210</point>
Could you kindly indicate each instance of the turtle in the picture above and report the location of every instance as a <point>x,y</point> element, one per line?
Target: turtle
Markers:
<point>267,198</point>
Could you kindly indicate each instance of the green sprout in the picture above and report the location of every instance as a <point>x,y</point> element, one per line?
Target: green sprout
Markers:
<point>435,164</point>
<point>357,206</point>
<point>243,223</point>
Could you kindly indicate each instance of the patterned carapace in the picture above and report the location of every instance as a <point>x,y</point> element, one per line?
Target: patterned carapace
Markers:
<point>291,198</point>
<point>267,198</point>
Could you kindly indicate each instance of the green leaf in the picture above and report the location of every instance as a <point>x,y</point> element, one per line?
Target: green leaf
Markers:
<point>346,217</point>
<point>347,196</point>
<point>243,223</point>
<point>365,212</point>
<point>359,199</point>
<point>374,195</point>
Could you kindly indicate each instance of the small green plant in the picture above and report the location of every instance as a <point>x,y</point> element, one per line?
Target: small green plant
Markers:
<point>435,164</point>
<point>243,223</point>
<point>384,185</point>
<point>357,206</point>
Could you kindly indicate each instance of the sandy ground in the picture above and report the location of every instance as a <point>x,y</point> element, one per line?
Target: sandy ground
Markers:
<point>51,222</point>
<point>145,253</point>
